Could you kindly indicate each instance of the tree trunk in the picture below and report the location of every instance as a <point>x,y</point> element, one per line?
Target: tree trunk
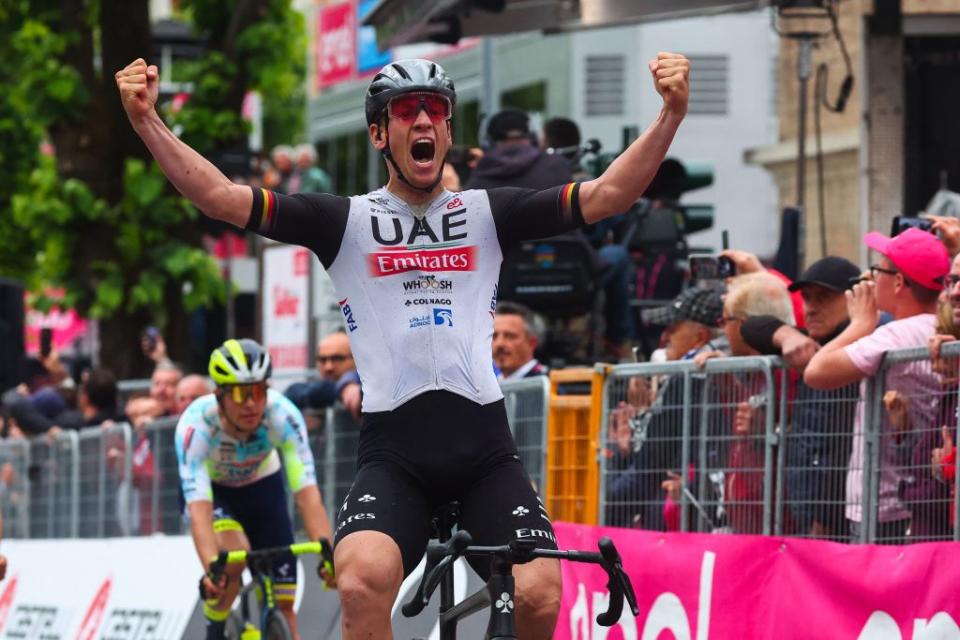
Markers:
<point>120,349</point>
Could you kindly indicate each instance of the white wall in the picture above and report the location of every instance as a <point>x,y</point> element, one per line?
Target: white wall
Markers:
<point>744,196</point>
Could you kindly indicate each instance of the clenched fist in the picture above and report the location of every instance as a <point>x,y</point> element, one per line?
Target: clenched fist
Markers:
<point>671,77</point>
<point>139,87</point>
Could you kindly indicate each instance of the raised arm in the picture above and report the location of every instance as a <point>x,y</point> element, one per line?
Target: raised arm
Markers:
<point>627,177</point>
<point>193,175</point>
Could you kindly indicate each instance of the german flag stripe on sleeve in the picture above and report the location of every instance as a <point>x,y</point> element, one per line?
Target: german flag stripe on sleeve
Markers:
<point>263,210</point>
<point>570,203</point>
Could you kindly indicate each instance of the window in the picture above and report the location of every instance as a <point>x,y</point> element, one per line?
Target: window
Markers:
<point>709,85</point>
<point>603,86</point>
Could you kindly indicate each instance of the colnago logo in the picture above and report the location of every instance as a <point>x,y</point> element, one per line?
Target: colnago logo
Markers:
<point>427,284</point>
<point>388,263</point>
<point>428,301</point>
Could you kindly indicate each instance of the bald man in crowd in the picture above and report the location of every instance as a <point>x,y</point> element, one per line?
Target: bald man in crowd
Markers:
<point>189,389</point>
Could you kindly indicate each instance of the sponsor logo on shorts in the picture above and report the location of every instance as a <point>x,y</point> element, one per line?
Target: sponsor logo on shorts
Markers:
<point>535,533</point>
<point>366,498</point>
<point>521,511</point>
<point>355,517</point>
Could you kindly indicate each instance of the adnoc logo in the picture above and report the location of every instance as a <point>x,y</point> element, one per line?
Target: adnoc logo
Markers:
<point>443,316</point>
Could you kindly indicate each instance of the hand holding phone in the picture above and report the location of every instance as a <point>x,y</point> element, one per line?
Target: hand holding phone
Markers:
<point>150,337</point>
<point>711,267</point>
<point>46,342</point>
<point>902,223</point>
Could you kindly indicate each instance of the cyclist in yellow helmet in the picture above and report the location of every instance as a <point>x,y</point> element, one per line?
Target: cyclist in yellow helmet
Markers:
<point>227,446</point>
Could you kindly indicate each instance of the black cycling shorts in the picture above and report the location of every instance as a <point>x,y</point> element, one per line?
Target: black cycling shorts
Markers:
<point>434,449</point>
<point>260,510</point>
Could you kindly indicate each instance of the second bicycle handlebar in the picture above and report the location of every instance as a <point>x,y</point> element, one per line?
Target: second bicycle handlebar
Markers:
<point>320,547</point>
<point>440,557</point>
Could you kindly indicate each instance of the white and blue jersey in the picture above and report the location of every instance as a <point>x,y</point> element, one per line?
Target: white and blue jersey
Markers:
<point>207,455</point>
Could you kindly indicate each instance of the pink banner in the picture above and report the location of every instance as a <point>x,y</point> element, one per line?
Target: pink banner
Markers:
<point>699,586</point>
<point>336,42</point>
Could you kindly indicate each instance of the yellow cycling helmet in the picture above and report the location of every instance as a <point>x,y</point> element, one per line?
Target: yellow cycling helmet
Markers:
<point>239,362</point>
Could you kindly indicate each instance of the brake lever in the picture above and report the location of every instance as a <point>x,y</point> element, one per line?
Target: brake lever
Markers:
<point>215,572</point>
<point>434,570</point>
<point>618,584</point>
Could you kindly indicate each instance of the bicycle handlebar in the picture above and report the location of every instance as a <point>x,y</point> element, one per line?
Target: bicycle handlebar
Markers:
<point>320,547</point>
<point>440,557</point>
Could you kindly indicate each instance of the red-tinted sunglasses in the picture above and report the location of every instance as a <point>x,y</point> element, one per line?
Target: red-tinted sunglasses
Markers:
<point>406,107</point>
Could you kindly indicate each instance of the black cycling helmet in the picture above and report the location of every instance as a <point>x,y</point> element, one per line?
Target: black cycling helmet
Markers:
<point>406,76</point>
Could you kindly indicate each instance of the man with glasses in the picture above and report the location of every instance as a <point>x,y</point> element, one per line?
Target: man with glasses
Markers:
<point>227,447</point>
<point>415,268</point>
<point>338,381</point>
<point>906,283</point>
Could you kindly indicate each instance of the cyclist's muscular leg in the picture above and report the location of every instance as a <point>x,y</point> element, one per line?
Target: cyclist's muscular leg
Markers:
<point>537,591</point>
<point>286,606</point>
<point>369,574</point>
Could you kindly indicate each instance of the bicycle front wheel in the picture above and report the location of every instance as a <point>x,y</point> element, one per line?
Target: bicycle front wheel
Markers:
<point>235,627</point>
<point>277,627</point>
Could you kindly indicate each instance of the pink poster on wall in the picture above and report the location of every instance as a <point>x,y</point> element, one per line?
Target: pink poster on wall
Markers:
<point>336,44</point>
<point>700,586</point>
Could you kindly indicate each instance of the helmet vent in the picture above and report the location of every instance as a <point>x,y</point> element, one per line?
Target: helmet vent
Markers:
<point>403,72</point>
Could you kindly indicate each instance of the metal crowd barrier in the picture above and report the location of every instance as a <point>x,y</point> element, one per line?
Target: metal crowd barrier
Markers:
<point>689,449</point>
<point>121,481</point>
<point>743,446</point>
<point>526,402</point>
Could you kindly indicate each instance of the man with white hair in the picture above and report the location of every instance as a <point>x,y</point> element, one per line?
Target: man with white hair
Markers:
<point>307,176</point>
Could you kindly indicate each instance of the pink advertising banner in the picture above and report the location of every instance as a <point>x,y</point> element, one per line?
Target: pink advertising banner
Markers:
<point>336,44</point>
<point>700,586</point>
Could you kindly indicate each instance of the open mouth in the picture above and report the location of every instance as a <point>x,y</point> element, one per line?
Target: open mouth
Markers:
<point>422,151</point>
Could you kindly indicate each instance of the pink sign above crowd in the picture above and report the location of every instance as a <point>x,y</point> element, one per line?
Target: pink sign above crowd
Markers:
<point>700,586</point>
<point>66,325</point>
<point>336,44</point>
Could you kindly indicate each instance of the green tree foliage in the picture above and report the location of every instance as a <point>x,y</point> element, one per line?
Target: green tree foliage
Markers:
<point>258,45</point>
<point>96,217</point>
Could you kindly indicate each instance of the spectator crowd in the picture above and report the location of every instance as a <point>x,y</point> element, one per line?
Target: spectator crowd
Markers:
<point>685,450</point>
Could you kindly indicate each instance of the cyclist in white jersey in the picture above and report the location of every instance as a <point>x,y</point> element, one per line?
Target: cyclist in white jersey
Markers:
<point>227,445</point>
<point>415,268</point>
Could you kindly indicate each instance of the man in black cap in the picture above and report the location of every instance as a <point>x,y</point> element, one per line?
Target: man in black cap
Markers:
<point>514,159</point>
<point>818,444</point>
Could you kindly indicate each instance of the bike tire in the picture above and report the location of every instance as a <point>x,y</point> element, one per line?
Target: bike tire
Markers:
<point>234,627</point>
<point>277,627</point>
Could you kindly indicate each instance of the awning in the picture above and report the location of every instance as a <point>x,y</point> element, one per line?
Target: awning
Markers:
<point>405,21</point>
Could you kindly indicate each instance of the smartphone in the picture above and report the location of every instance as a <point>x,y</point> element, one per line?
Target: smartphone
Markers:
<point>711,267</point>
<point>46,341</point>
<point>151,334</point>
<point>902,223</point>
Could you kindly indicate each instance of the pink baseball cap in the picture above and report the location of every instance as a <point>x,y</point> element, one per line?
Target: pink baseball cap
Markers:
<point>919,255</point>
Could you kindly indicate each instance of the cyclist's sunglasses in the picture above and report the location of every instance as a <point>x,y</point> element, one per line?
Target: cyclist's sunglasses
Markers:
<point>406,107</point>
<point>240,392</point>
